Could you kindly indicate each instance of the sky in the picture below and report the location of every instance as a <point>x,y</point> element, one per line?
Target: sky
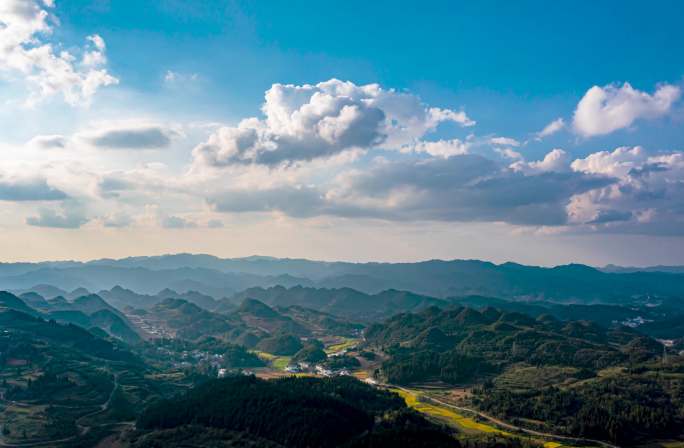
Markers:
<point>542,133</point>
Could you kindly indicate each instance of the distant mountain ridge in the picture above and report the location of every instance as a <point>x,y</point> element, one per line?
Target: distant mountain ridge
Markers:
<point>217,277</point>
<point>628,269</point>
<point>343,302</point>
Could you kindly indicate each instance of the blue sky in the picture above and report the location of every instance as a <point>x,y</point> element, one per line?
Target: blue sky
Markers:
<point>514,64</point>
<point>173,80</point>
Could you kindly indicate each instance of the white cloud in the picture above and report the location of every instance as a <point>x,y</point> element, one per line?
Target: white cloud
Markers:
<point>616,163</point>
<point>624,190</point>
<point>307,122</point>
<point>440,148</point>
<point>34,188</point>
<point>173,78</point>
<point>504,141</point>
<point>130,135</point>
<point>438,115</point>
<point>459,188</point>
<point>47,70</point>
<point>325,150</point>
<point>647,196</point>
<point>508,153</point>
<point>556,160</point>
<point>49,141</point>
<point>555,126</point>
<point>606,109</point>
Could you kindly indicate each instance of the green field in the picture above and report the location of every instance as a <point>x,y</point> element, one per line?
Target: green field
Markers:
<point>280,362</point>
<point>277,362</point>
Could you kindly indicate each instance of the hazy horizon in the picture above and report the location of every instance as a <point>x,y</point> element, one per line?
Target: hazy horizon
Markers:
<point>322,260</point>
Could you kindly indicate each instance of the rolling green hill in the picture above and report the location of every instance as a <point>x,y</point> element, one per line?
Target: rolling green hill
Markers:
<point>86,311</point>
<point>345,302</point>
<point>436,344</point>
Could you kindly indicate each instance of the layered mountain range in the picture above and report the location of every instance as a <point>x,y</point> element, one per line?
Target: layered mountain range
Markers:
<point>218,277</point>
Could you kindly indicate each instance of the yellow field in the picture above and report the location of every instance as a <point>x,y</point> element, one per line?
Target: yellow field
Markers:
<point>447,414</point>
<point>280,362</point>
<point>361,374</point>
<point>263,355</point>
<point>346,344</point>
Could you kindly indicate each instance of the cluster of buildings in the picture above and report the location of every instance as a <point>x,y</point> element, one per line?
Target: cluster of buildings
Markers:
<point>224,372</point>
<point>320,369</point>
<point>191,358</point>
<point>634,322</point>
<point>150,327</point>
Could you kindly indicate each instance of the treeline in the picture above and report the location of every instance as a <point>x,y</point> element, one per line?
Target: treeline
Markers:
<point>280,344</point>
<point>299,412</point>
<point>408,366</point>
<point>236,356</point>
<point>619,409</point>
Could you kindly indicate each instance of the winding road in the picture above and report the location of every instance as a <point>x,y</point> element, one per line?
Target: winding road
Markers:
<point>504,424</point>
<point>82,429</point>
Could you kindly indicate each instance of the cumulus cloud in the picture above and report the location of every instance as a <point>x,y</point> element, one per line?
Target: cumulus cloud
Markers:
<point>459,188</point>
<point>647,197</point>
<point>555,126</point>
<point>343,150</point>
<point>440,148</point>
<point>556,160</point>
<point>616,163</point>
<point>49,141</point>
<point>606,109</point>
<point>628,189</point>
<point>307,122</point>
<point>132,137</point>
<point>28,189</point>
<point>67,217</point>
<point>25,26</point>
